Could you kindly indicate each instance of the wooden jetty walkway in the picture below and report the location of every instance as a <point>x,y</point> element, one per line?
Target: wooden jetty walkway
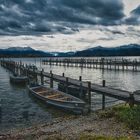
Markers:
<point>100,63</point>
<point>104,90</point>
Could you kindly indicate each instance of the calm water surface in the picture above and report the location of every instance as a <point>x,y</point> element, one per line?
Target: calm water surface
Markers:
<point>18,109</point>
<point>17,103</point>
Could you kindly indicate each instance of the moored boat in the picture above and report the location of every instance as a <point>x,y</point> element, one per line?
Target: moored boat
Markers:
<point>18,79</point>
<point>58,99</point>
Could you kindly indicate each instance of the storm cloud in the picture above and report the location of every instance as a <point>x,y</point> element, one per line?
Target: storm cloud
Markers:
<point>32,16</point>
<point>134,18</point>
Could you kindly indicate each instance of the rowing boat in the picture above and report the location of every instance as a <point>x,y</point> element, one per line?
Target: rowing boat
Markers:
<point>18,79</point>
<point>58,98</point>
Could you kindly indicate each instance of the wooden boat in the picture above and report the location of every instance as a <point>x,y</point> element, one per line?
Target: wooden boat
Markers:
<point>18,79</point>
<point>58,99</point>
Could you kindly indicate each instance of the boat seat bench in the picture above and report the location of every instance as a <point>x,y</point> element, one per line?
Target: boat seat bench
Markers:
<point>42,92</point>
<point>52,96</point>
<point>46,91</point>
<point>63,98</point>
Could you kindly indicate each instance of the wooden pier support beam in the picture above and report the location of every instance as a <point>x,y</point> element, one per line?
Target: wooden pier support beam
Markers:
<point>0,111</point>
<point>63,74</point>
<point>67,84</point>
<point>103,83</point>
<point>35,75</point>
<point>89,96</point>
<point>103,97</point>
<point>80,78</point>
<point>131,100</point>
<point>81,87</point>
<point>42,77</point>
<point>51,79</point>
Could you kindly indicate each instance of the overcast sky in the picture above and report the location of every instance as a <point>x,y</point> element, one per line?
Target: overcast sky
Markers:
<point>69,25</point>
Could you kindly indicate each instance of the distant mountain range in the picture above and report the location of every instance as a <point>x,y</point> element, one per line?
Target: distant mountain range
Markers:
<point>22,52</point>
<point>125,50</point>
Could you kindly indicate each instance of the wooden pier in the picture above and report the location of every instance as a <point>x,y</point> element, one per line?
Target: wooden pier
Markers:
<point>123,95</point>
<point>98,63</point>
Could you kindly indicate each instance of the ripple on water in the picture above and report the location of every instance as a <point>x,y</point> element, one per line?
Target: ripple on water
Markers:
<point>18,109</point>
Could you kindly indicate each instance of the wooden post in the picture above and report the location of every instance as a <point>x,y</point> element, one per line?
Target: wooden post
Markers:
<point>20,64</point>
<point>81,87</point>
<point>89,96</point>
<point>122,64</point>
<point>28,72</point>
<point>131,100</point>
<point>51,79</point>
<point>80,78</point>
<point>42,77</point>
<point>36,80</point>
<point>0,110</point>
<point>103,97</point>
<point>115,64</point>
<point>0,113</point>
<point>63,74</point>
<point>103,83</point>
<point>67,84</point>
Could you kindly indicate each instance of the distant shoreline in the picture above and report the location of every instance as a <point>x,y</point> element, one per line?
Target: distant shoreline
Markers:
<point>66,56</point>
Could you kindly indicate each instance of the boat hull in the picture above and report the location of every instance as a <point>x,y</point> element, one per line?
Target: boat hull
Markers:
<point>18,79</point>
<point>75,107</point>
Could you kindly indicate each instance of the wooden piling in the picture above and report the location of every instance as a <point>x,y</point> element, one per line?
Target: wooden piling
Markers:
<point>63,74</point>
<point>0,113</point>
<point>104,82</point>
<point>81,87</point>
<point>131,100</point>
<point>67,84</point>
<point>103,97</point>
<point>89,95</point>
<point>51,79</point>
<point>80,78</point>
<point>42,77</point>
<point>35,75</point>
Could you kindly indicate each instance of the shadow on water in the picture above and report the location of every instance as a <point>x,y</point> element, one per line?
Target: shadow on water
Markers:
<point>18,86</point>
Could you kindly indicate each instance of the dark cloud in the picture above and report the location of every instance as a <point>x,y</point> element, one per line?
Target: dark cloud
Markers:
<point>103,9</point>
<point>57,15</point>
<point>134,18</point>
<point>136,11</point>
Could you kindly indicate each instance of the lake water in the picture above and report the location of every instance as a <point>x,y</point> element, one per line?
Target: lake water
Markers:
<point>17,103</point>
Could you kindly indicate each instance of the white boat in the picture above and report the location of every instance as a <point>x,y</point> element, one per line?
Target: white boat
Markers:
<point>58,99</point>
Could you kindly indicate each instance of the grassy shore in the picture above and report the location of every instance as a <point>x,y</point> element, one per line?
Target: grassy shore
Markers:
<point>116,123</point>
<point>86,136</point>
<point>123,113</point>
